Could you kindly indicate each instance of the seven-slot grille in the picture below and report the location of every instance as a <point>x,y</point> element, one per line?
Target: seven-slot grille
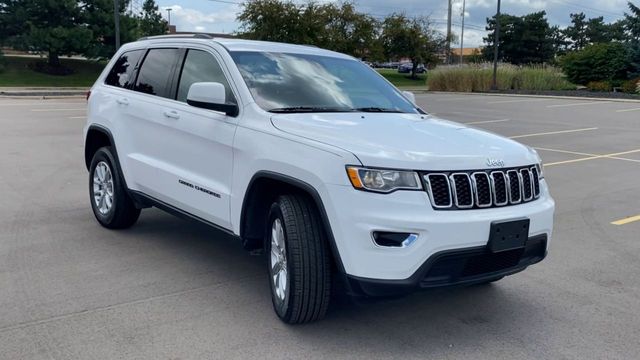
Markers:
<point>458,190</point>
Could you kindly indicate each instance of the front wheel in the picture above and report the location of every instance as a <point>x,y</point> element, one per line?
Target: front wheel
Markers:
<point>299,260</point>
<point>111,204</point>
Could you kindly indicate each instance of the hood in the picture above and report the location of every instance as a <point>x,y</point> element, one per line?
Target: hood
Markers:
<point>407,141</point>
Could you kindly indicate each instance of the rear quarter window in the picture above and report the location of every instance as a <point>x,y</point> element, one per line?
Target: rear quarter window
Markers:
<point>156,73</point>
<point>123,71</point>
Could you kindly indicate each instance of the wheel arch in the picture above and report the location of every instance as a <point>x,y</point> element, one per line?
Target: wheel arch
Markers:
<point>262,189</point>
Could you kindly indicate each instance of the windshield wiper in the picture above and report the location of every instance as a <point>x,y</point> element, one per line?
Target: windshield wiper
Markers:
<point>377,109</point>
<point>295,109</point>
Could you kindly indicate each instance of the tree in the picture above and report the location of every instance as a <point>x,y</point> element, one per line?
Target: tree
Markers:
<point>55,27</point>
<point>98,15</point>
<point>403,37</point>
<point>632,25</point>
<point>151,21</point>
<point>577,32</point>
<point>523,39</point>
<point>337,27</point>
<point>274,20</point>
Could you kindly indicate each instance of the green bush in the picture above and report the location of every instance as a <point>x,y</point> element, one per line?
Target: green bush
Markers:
<point>479,78</point>
<point>631,86</point>
<point>597,62</point>
<point>603,86</point>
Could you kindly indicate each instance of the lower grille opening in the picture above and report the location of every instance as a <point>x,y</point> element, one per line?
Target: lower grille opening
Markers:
<point>466,265</point>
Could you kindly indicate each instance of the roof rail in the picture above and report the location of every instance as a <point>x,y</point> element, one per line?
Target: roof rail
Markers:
<point>178,36</point>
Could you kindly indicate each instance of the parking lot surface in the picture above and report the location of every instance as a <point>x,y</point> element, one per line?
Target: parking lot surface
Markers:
<point>172,289</point>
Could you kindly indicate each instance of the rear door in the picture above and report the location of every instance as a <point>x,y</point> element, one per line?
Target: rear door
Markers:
<point>186,152</point>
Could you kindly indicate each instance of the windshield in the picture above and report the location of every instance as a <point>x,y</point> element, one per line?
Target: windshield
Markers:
<point>283,82</point>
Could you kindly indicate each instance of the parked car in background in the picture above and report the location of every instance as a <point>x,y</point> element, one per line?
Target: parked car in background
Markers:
<point>405,68</point>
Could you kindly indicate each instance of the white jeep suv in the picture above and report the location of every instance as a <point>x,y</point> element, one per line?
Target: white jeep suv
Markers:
<point>314,158</point>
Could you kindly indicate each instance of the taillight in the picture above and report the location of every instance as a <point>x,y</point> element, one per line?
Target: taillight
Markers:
<point>88,94</point>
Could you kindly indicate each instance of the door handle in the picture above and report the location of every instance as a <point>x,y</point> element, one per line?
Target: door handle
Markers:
<point>123,101</point>
<point>172,115</point>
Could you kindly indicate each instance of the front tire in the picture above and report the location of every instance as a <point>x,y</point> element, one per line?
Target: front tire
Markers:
<point>112,206</point>
<point>299,260</point>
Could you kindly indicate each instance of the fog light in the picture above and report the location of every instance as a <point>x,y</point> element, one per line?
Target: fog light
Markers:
<point>394,239</point>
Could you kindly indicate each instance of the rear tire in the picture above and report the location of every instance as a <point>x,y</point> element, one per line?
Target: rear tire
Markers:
<point>299,260</point>
<point>112,206</point>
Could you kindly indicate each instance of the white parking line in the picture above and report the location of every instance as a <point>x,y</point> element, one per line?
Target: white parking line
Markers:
<point>454,99</point>
<point>516,101</point>
<point>45,110</point>
<point>627,110</point>
<point>77,117</point>
<point>578,104</point>
<point>553,133</point>
<point>486,122</point>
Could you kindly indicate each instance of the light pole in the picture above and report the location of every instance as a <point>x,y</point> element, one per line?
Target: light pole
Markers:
<point>169,14</point>
<point>116,19</point>
<point>449,33</point>
<point>494,85</point>
<point>464,3</point>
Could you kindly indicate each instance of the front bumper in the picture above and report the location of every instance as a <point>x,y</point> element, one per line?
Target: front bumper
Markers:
<point>355,215</point>
<point>456,268</point>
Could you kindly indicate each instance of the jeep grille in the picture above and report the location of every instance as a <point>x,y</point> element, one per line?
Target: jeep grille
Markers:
<point>462,190</point>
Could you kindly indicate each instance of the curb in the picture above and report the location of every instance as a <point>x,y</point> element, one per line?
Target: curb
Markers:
<point>534,96</point>
<point>43,91</point>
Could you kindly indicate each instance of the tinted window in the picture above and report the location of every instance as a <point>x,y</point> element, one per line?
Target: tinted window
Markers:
<point>122,72</point>
<point>156,73</point>
<point>283,80</point>
<point>200,66</point>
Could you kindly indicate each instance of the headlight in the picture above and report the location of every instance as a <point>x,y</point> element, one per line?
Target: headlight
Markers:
<point>383,180</point>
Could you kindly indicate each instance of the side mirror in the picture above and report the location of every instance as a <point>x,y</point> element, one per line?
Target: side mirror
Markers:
<point>212,96</point>
<point>410,96</point>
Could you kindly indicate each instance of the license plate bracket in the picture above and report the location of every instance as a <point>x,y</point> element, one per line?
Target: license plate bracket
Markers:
<point>508,235</point>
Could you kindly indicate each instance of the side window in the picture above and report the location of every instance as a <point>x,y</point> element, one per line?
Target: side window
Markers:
<point>200,66</point>
<point>156,73</point>
<point>122,72</point>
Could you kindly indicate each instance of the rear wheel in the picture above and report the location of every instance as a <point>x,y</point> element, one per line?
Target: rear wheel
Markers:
<point>111,204</point>
<point>299,260</point>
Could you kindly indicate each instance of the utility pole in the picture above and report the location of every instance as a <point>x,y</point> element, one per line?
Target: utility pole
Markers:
<point>449,34</point>
<point>169,15</point>
<point>494,85</point>
<point>464,4</point>
<point>116,19</point>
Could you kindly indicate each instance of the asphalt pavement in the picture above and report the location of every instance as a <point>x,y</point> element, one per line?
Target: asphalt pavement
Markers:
<point>171,289</point>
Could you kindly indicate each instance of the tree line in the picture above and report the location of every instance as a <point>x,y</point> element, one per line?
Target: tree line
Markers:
<point>589,50</point>
<point>71,27</point>
<point>340,27</point>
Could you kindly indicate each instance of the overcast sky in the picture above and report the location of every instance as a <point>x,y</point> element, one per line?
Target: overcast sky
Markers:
<point>220,15</point>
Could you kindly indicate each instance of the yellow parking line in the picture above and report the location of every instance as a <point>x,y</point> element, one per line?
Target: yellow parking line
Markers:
<point>564,151</point>
<point>553,133</point>
<point>486,122</point>
<point>626,220</point>
<point>605,156</point>
<point>627,110</point>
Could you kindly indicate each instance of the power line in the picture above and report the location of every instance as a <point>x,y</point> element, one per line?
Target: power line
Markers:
<point>584,7</point>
